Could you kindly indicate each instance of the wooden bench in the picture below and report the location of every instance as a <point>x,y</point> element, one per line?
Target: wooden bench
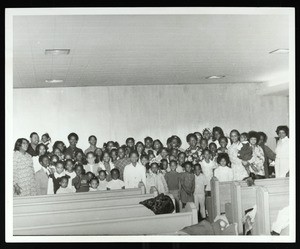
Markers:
<point>244,197</point>
<point>145,225</point>
<point>79,204</point>
<point>74,196</point>
<point>268,206</point>
<point>221,194</point>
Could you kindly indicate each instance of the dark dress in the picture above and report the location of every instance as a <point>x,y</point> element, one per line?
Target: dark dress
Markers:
<point>31,151</point>
<point>72,151</point>
<point>187,183</point>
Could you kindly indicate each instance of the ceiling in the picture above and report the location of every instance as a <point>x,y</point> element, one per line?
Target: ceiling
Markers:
<point>148,49</point>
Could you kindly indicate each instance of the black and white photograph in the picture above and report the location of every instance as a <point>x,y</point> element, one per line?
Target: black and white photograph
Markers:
<point>150,124</point>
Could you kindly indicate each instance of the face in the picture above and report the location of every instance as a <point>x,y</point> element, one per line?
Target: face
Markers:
<point>59,168</point>
<point>206,134</point>
<point>60,146</point>
<point>181,157</point>
<point>78,170</point>
<point>69,166</point>
<point>90,176</point>
<point>45,162</point>
<point>192,142</point>
<point>164,165</point>
<point>140,148</point>
<point>217,135</point>
<point>24,145</point>
<point>114,154</point>
<point>94,184</point>
<point>206,155</point>
<point>148,143</point>
<point>98,152</point>
<point>154,168</point>
<point>121,153</point>
<point>35,139</point>
<point>223,162</point>
<point>73,141</point>
<point>213,147</point>
<point>173,166</point>
<point>197,170</point>
<point>223,143</point>
<point>102,176</point>
<point>252,140</point>
<point>281,134</point>
<point>93,141</point>
<point>57,152</point>
<point>174,152</point>
<point>54,159</point>
<point>110,145</point>
<point>243,138</point>
<point>79,157</point>
<point>234,136</point>
<point>144,161</point>
<point>106,157</point>
<point>164,153</point>
<point>188,168</point>
<point>134,158</point>
<point>90,158</point>
<point>64,183</point>
<point>156,145</point>
<point>115,175</point>
<point>171,157</point>
<point>44,139</point>
<point>203,144</point>
<point>151,157</point>
<point>174,143</point>
<point>261,139</point>
<point>130,143</point>
<point>68,156</point>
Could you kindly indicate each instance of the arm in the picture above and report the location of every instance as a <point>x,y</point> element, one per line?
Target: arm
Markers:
<point>269,153</point>
<point>193,186</point>
<point>125,177</point>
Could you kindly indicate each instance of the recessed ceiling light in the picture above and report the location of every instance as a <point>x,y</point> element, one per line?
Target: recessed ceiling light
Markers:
<point>54,81</point>
<point>280,51</point>
<point>57,51</point>
<point>215,77</point>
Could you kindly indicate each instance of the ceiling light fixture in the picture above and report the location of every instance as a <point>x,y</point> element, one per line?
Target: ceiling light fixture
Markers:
<point>57,51</point>
<point>215,77</point>
<point>280,51</point>
<point>54,81</point>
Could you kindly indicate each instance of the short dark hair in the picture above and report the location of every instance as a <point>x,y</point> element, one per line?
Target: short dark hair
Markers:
<point>115,170</point>
<point>148,138</point>
<point>39,146</point>
<point>173,161</point>
<point>18,143</point>
<point>69,160</point>
<point>129,138</point>
<point>90,152</point>
<point>94,179</point>
<point>133,152</point>
<point>63,177</point>
<point>209,151</point>
<point>223,156</point>
<point>253,134</point>
<point>56,144</point>
<point>236,131</point>
<point>218,129</point>
<point>102,171</point>
<point>187,163</point>
<point>264,135</point>
<point>33,133</point>
<point>212,143</point>
<point>283,128</point>
<point>154,163</point>
<point>47,135</point>
<point>189,136</point>
<point>158,141</point>
<point>52,156</point>
<point>144,156</point>
<point>81,166</point>
<point>223,137</point>
<point>92,136</point>
<point>198,165</point>
<point>245,134</point>
<point>73,134</point>
<point>178,139</point>
<point>93,175</point>
<point>60,162</point>
<point>42,157</point>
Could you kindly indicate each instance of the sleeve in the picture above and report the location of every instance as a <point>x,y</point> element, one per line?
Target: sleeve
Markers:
<point>269,153</point>
<point>193,185</point>
<point>164,184</point>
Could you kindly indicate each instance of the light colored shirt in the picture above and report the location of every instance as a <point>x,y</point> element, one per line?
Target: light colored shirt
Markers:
<point>134,174</point>
<point>115,184</point>
<point>102,185</point>
<point>224,174</point>
<point>66,190</point>
<point>207,169</point>
<point>93,189</point>
<point>72,176</point>
<point>94,168</point>
<point>36,164</point>
<point>200,182</point>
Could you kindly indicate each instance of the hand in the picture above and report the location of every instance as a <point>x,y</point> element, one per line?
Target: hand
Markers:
<point>17,189</point>
<point>245,163</point>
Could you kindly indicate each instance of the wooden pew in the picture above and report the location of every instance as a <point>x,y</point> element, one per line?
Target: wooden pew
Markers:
<point>79,204</point>
<point>268,206</point>
<point>244,197</point>
<point>145,225</point>
<point>221,194</point>
<point>75,196</point>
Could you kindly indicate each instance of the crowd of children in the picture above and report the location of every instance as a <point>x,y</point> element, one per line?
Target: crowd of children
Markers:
<point>186,174</point>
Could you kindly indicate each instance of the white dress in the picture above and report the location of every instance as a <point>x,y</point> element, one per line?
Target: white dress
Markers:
<point>239,171</point>
<point>282,157</point>
<point>224,174</point>
<point>208,171</point>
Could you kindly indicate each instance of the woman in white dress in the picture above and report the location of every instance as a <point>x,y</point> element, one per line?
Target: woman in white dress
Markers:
<point>239,171</point>
<point>282,152</point>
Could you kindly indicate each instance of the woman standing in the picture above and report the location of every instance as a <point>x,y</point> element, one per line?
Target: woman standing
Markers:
<point>282,152</point>
<point>23,173</point>
<point>239,171</point>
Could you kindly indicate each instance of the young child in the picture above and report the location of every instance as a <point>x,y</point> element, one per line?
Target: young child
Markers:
<point>80,158</point>
<point>90,175</point>
<point>245,153</point>
<point>106,164</point>
<point>91,165</point>
<point>223,141</point>
<point>114,155</point>
<point>81,181</point>
<point>172,179</point>
<point>46,140</point>
<point>148,144</point>
<point>102,180</point>
<point>181,161</point>
<point>187,184</point>
<point>59,172</point>
<point>94,184</point>
<point>69,166</point>
<point>156,179</point>
<point>199,193</point>
<point>208,166</point>
<point>214,151</point>
<point>42,175</point>
<point>164,166</point>
<point>130,143</point>
<point>223,173</point>
<point>115,182</point>
<point>64,189</point>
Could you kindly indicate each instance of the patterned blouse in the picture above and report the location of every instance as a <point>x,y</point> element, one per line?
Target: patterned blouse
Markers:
<point>23,174</point>
<point>257,160</point>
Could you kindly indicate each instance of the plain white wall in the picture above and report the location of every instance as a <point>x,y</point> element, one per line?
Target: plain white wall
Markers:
<point>115,113</point>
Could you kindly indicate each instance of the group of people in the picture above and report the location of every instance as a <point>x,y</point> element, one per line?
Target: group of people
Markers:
<point>40,167</point>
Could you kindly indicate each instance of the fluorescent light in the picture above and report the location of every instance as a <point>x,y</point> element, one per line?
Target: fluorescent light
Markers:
<point>280,51</point>
<point>57,51</point>
<point>215,77</point>
<point>54,81</point>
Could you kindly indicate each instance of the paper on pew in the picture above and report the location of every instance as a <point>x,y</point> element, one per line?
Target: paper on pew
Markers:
<point>282,220</point>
